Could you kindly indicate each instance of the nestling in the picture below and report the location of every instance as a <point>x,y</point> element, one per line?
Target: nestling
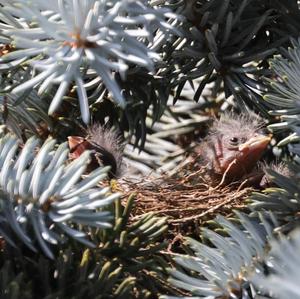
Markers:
<point>105,146</point>
<point>233,146</point>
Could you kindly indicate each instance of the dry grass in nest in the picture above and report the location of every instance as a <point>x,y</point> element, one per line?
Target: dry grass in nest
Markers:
<point>186,201</point>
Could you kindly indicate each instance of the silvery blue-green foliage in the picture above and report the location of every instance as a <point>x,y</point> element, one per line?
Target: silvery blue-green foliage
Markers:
<point>284,94</point>
<point>282,198</point>
<point>44,199</point>
<point>223,271</point>
<point>23,115</point>
<point>229,43</point>
<point>116,269</point>
<point>281,278</point>
<point>80,41</point>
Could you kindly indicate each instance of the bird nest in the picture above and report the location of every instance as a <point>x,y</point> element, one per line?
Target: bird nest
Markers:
<point>187,201</point>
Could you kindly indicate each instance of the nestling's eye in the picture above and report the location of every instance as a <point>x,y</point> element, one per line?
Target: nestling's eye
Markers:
<point>234,141</point>
<point>198,5</point>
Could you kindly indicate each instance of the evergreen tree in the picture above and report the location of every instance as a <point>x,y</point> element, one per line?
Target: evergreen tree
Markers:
<point>156,72</point>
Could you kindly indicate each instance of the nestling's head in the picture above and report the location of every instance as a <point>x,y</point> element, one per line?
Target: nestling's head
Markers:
<point>105,146</point>
<point>234,145</point>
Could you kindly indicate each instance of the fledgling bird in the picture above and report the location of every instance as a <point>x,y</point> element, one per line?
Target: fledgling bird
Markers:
<point>105,146</point>
<point>233,147</point>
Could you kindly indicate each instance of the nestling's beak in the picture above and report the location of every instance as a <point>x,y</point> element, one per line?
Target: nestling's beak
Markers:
<point>74,141</point>
<point>255,144</point>
<point>77,146</point>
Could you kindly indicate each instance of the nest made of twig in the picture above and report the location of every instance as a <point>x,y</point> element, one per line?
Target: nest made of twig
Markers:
<point>186,200</point>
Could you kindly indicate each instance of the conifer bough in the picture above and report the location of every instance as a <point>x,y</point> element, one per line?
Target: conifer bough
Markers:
<point>43,199</point>
<point>68,39</point>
